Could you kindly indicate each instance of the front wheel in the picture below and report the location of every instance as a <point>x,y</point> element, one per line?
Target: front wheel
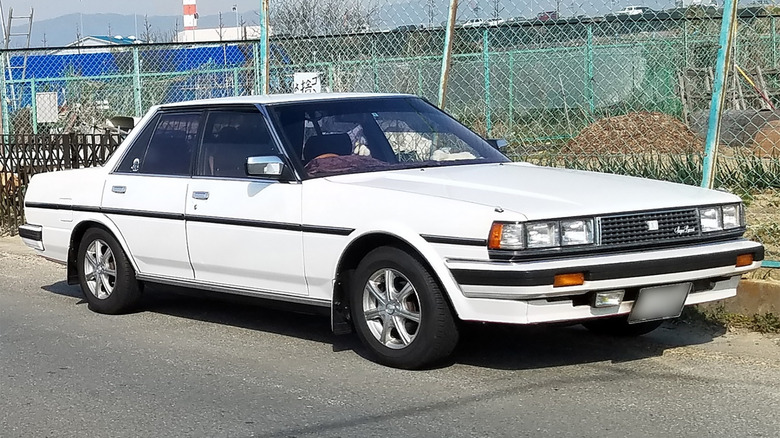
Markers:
<point>107,278</point>
<point>399,310</point>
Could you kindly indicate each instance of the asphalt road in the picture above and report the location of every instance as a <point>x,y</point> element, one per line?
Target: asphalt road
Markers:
<point>189,365</point>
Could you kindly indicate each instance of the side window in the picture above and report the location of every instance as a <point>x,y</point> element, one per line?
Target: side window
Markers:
<point>172,144</point>
<point>164,147</point>
<point>229,139</point>
<point>131,163</point>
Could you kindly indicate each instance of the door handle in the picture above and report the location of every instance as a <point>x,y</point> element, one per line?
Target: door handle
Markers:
<point>200,195</point>
<point>118,189</point>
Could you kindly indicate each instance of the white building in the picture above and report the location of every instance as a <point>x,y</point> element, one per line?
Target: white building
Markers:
<point>97,44</point>
<point>217,34</point>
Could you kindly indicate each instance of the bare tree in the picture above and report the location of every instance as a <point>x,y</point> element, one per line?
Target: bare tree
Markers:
<point>78,38</point>
<point>497,9</point>
<point>321,17</point>
<point>175,36</point>
<point>430,11</point>
<point>221,29</point>
<point>147,35</point>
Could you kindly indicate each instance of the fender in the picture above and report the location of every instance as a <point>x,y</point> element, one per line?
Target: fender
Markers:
<point>82,219</point>
<point>398,232</point>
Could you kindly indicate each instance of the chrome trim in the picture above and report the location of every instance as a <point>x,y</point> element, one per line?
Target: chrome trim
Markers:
<point>271,167</point>
<point>119,189</point>
<point>200,195</point>
<point>234,290</point>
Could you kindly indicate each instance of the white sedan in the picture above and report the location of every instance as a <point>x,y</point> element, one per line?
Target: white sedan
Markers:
<point>388,212</point>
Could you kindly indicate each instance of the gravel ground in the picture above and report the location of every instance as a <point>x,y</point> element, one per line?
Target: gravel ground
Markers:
<point>189,364</point>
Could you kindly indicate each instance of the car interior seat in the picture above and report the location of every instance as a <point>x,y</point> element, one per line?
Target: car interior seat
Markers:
<point>338,144</point>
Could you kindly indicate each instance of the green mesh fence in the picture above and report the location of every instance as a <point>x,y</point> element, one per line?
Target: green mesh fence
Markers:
<point>595,85</point>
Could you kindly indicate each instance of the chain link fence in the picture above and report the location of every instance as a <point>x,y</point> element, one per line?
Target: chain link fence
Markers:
<point>600,85</point>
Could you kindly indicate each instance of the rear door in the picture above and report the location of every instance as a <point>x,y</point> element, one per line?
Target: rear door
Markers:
<point>145,195</point>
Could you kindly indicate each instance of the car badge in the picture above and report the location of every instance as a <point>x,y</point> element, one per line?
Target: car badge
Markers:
<point>684,230</point>
<point>652,225</point>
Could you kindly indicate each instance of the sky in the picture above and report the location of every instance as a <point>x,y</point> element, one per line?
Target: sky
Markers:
<point>54,8</point>
<point>45,9</point>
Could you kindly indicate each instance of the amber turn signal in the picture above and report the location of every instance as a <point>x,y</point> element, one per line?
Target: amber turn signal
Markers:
<point>494,241</point>
<point>744,260</point>
<point>575,279</point>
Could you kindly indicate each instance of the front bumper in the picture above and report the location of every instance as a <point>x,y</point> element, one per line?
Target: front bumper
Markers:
<point>523,292</point>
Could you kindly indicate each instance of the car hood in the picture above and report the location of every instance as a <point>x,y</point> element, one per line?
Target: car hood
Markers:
<point>539,192</point>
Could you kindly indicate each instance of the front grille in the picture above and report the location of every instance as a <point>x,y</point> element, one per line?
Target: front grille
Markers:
<point>632,228</point>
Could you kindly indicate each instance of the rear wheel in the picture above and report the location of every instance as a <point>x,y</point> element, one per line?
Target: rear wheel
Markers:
<point>107,278</point>
<point>619,326</point>
<point>399,310</point>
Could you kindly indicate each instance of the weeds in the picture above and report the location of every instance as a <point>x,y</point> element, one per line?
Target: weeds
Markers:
<point>718,315</point>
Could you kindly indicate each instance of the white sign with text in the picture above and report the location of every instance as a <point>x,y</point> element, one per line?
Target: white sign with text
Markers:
<point>307,82</point>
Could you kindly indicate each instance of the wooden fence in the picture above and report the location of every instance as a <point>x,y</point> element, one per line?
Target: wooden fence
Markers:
<point>22,156</point>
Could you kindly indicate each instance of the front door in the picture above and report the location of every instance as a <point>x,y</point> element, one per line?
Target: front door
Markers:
<point>243,232</point>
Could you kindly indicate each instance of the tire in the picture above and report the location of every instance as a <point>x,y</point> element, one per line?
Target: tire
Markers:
<point>619,326</point>
<point>107,278</point>
<point>411,328</point>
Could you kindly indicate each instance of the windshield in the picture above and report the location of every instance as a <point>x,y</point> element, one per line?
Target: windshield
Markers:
<point>363,135</point>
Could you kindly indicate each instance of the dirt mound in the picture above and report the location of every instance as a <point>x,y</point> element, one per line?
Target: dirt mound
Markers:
<point>636,133</point>
<point>766,143</point>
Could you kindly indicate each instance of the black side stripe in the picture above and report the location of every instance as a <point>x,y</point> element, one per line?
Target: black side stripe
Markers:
<point>454,240</point>
<point>139,213</point>
<point>315,229</point>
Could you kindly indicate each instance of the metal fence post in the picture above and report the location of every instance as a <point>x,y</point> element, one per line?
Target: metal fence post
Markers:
<point>263,18</point>
<point>33,107</point>
<point>511,92</point>
<point>685,41</point>
<point>486,68</point>
<point>718,92</point>
<point>589,94</point>
<point>137,82</point>
<point>446,60</point>
<point>375,72</point>
<point>4,97</point>
<point>256,68</point>
<point>773,36</point>
<point>236,88</point>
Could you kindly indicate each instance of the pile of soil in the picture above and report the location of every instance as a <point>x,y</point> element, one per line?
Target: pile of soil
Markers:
<point>636,133</point>
<point>766,143</point>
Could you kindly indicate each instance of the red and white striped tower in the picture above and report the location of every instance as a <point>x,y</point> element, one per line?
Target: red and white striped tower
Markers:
<point>190,15</point>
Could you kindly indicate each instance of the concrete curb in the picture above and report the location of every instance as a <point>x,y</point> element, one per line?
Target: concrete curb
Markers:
<point>753,296</point>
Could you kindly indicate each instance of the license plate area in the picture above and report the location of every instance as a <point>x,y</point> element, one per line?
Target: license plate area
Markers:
<point>659,302</point>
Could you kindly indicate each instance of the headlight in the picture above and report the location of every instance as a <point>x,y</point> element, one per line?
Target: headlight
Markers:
<point>732,216</point>
<point>719,218</point>
<point>542,234</point>
<point>577,232</point>
<point>506,236</point>
<point>711,219</point>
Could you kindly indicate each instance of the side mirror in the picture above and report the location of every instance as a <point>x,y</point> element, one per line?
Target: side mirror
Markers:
<point>498,143</point>
<point>265,167</point>
<point>122,123</point>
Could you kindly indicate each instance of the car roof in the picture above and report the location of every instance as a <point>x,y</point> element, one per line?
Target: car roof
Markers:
<point>269,99</point>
